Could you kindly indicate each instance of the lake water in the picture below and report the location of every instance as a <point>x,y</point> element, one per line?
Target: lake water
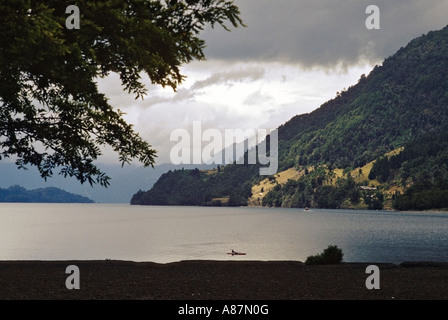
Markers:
<point>166,234</point>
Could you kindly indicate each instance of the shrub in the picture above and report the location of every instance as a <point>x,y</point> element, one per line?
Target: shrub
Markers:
<point>331,255</point>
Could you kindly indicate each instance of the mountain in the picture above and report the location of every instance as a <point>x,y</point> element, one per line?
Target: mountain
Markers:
<point>47,195</point>
<point>378,144</point>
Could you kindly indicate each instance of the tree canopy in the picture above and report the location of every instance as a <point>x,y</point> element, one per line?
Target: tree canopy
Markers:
<point>52,114</point>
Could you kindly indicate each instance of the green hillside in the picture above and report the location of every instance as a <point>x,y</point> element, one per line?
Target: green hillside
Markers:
<point>402,103</point>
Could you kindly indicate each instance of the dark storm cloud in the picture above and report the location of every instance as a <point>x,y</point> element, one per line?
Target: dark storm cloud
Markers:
<point>323,33</point>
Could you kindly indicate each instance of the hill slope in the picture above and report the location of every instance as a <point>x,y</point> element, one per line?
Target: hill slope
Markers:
<point>402,103</point>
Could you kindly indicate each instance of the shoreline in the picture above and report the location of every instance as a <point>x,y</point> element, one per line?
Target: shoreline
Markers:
<point>221,280</point>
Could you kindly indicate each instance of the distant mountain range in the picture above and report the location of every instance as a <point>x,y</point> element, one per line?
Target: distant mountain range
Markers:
<point>382,143</point>
<point>47,195</point>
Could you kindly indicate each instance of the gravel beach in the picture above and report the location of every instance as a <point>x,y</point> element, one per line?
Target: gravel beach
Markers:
<point>220,280</point>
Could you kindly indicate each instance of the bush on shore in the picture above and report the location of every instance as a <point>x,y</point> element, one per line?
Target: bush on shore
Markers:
<point>331,255</point>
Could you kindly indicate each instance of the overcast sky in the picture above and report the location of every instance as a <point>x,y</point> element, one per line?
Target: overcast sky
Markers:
<point>293,56</point>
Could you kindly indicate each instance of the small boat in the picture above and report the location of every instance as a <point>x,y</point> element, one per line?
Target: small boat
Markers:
<point>234,253</point>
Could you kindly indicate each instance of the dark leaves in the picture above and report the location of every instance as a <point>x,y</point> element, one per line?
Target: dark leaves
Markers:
<point>52,115</point>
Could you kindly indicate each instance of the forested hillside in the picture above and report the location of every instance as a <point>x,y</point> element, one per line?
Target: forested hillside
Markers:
<point>231,184</point>
<point>380,143</point>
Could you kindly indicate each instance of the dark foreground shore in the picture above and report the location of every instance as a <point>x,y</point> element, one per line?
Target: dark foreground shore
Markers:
<point>220,280</point>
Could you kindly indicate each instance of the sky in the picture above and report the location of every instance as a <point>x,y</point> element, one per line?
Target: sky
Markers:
<point>293,56</point>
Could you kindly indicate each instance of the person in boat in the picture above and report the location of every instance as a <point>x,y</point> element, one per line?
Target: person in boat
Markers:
<point>233,251</point>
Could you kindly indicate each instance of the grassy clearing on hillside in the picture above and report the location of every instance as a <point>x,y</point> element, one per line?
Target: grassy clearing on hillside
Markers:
<point>261,189</point>
<point>359,175</point>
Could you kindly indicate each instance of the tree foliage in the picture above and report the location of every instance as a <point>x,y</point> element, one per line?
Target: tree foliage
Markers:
<point>52,114</point>
<point>330,255</point>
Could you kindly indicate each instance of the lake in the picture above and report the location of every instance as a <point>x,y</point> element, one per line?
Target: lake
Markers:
<point>30,231</point>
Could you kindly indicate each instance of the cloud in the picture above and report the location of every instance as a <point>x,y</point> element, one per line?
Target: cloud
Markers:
<point>234,75</point>
<point>258,98</point>
<point>323,33</point>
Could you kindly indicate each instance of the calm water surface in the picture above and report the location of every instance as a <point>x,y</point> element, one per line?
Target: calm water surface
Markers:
<point>166,234</point>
